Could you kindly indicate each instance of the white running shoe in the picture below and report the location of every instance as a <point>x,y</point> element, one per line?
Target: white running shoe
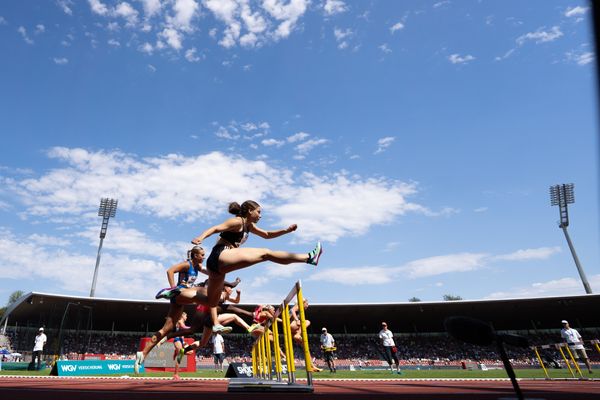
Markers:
<point>139,360</point>
<point>221,329</point>
<point>315,254</point>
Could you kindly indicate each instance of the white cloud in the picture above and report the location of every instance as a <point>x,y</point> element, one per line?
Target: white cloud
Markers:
<point>384,143</point>
<point>152,68</point>
<point>458,59</point>
<point>23,32</point>
<point>146,48</point>
<point>61,61</point>
<point>385,48</point>
<point>122,239</point>
<point>480,209</point>
<point>540,36</point>
<point>438,265</point>
<point>113,26</point>
<point>441,3</point>
<point>98,7</point>
<point>297,137</point>
<point>579,57</point>
<point>541,253</point>
<point>138,183</point>
<point>126,11</point>
<point>354,276</point>
<point>505,55</point>
<point>151,7</point>
<point>332,7</point>
<point>46,239</point>
<point>249,40</point>
<point>3,20</point>
<point>427,267</point>
<point>555,287</point>
<point>39,28</point>
<point>305,147</point>
<point>254,21</point>
<point>65,5</point>
<point>190,55</point>
<point>341,36</point>
<point>396,27</point>
<point>173,37</point>
<point>114,43</point>
<point>325,207</point>
<point>273,142</point>
<point>185,12</point>
<point>119,275</point>
<point>575,11</point>
<point>288,14</point>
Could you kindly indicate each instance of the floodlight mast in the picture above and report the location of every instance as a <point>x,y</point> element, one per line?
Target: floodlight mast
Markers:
<point>107,209</point>
<point>561,195</point>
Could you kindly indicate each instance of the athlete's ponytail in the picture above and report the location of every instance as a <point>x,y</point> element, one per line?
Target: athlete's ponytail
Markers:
<point>234,208</point>
<point>244,209</point>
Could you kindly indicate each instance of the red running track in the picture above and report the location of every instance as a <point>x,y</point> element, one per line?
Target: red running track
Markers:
<point>24,388</point>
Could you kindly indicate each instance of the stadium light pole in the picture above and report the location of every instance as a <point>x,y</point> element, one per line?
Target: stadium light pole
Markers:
<point>561,195</point>
<point>108,209</point>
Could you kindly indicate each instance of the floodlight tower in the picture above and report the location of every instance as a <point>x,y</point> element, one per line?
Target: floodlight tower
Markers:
<point>561,195</point>
<point>108,209</point>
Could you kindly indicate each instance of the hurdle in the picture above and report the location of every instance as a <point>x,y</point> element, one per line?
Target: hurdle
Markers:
<point>567,356</point>
<point>268,372</point>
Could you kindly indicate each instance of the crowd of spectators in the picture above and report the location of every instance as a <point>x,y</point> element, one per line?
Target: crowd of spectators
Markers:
<point>360,350</point>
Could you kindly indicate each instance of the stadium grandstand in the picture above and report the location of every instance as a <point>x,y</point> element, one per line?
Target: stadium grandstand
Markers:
<point>80,325</point>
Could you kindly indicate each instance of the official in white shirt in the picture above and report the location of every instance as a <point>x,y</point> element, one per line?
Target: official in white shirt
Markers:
<point>328,347</point>
<point>38,349</point>
<point>390,351</point>
<point>575,342</point>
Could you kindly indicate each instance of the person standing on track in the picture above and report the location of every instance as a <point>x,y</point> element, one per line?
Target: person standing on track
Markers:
<point>573,339</point>
<point>328,347</point>
<point>218,350</point>
<point>390,351</point>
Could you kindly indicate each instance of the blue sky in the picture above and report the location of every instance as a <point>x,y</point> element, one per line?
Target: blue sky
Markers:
<point>416,139</point>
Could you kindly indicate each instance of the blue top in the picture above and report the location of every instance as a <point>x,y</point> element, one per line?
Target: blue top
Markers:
<point>188,277</point>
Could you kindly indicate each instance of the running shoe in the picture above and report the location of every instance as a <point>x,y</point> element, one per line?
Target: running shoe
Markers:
<point>221,329</point>
<point>315,254</point>
<point>168,293</point>
<point>139,360</point>
<point>253,327</point>
<point>180,355</point>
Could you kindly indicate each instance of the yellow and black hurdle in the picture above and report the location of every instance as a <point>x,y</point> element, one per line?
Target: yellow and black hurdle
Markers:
<point>567,356</point>
<point>268,370</point>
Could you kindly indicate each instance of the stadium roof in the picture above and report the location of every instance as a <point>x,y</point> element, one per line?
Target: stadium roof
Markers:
<point>82,313</point>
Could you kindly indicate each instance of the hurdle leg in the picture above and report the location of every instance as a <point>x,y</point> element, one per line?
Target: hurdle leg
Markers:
<point>541,362</point>
<point>268,353</point>
<point>307,357</point>
<point>254,361</point>
<point>566,360</point>
<point>574,361</point>
<point>289,349</point>
<point>276,350</point>
<point>263,351</point>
